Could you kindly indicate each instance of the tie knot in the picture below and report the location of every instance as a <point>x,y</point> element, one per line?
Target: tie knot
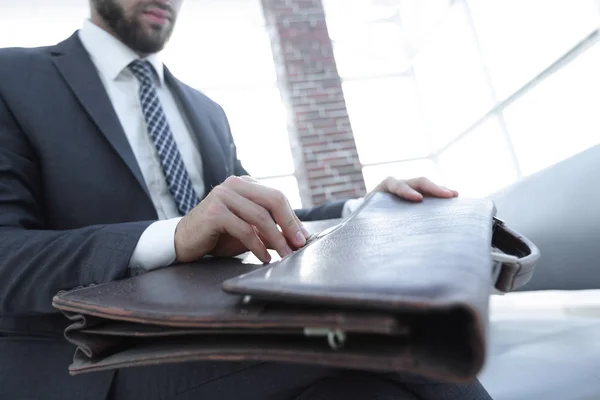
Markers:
<point>142,70</point>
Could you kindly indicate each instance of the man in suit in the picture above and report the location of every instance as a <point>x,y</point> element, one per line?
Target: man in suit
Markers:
<point>111,167</point>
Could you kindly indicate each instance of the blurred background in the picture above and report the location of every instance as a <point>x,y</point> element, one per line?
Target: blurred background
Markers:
<point>327,97</point>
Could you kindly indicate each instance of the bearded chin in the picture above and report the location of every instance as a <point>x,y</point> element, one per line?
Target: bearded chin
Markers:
<point>129,29</point>
<point>142,41</point>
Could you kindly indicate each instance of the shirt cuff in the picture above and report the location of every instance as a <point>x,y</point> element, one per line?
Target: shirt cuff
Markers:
<point>156,246</point>
<point>351,205</point>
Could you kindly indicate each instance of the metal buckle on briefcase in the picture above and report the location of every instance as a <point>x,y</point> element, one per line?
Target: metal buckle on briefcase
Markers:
<point>335,337</point>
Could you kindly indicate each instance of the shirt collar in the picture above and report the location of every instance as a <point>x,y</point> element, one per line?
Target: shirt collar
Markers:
<point>110,55</point>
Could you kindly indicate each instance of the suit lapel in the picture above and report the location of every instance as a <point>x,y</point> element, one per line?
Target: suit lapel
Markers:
<point>79,72</point>
<point>216,167</point>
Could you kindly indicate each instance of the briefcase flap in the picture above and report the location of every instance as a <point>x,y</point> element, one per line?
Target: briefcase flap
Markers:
<point>391,253</point>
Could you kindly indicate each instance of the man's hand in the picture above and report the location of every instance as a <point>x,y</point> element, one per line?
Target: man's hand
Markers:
<point>238,216</point>
<point>414,189</point>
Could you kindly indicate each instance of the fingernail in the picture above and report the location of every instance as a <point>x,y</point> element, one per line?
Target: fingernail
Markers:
<point>288,251</point>
<point>300,239</point>
<point>306,233</point>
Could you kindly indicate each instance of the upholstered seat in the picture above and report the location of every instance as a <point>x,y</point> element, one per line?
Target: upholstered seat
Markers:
<point>545,340</point>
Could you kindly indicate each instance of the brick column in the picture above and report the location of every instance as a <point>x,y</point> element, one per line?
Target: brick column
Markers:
<point>325,155</point>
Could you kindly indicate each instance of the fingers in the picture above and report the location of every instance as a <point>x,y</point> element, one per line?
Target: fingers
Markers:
<point>239,212</point>
<point>212,228</point>
<point>303,229</point>
<point>275,203</point>
<point>245,233</point>
<point>256,216</point>
<point>414,189</point>
<point>426,187</point>
<point>401,189</point>
<point>454,192</point>
<point>300,224</point>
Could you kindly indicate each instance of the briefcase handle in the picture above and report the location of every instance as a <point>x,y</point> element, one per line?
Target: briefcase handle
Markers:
<point>514,256</point>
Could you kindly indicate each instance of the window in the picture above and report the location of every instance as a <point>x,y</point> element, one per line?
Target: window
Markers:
<point>419,21</point>
<point>386,119</point>
<point>258,123</point>
<point>32,23</point>
<point>479,163</point>
<point>559,117</point>
<point>521,38</point>
<point>481,92</point>
<point>373,42</point>
<point>451,79</point>
<point>207,49</point>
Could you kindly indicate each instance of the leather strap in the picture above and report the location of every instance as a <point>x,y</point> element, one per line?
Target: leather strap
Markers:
<point>516,269</point>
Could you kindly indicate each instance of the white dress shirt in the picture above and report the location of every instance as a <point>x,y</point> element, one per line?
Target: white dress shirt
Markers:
<point>156,247</point>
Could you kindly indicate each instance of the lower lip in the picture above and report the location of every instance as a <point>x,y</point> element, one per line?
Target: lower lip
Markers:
<point>155,19</point>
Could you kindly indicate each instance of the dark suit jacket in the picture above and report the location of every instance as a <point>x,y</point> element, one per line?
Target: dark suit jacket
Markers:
<point>73,202</point>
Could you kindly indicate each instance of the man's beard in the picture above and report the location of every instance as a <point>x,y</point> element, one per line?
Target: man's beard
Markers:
<point>129,28</point>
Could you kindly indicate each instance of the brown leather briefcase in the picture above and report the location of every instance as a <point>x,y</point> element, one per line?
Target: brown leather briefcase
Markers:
<point>397,286</point>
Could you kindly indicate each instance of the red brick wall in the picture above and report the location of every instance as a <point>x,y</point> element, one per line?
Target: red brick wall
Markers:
<point>326,159</point>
